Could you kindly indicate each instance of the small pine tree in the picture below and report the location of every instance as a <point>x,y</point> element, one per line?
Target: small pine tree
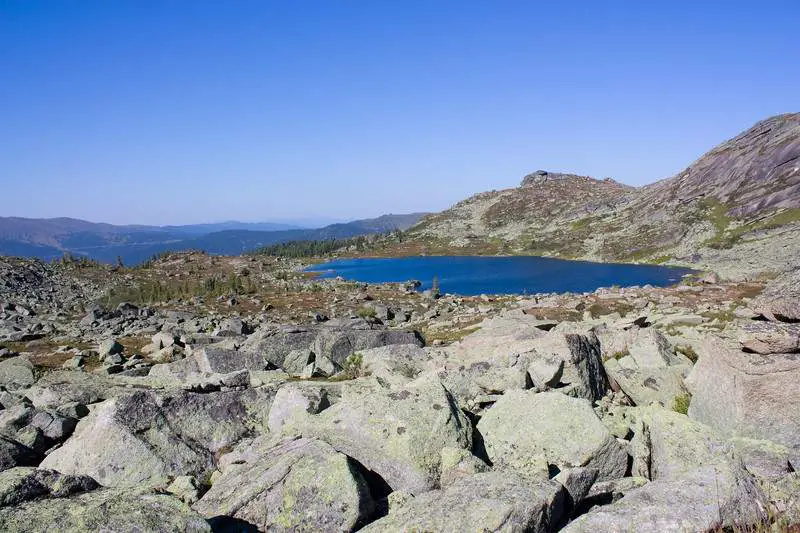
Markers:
<point>435,286</point>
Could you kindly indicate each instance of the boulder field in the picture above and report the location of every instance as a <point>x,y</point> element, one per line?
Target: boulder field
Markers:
<point>664,419</point>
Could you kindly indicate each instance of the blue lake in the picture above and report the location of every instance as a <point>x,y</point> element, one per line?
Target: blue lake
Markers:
<point>473,275</point>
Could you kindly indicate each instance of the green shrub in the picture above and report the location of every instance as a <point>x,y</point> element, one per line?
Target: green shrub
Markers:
<point>366,312</point>
<point>681,403</point>
<point>352,367</point>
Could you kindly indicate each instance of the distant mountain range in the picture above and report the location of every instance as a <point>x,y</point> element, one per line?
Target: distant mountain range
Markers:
<point>51,238</point>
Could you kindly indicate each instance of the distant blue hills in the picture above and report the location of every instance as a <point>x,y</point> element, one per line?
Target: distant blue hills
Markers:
<point>51,238</point>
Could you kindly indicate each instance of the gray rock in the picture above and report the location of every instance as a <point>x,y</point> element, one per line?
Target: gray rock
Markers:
<point>701,500</point>
<point>109,347</point>
<point>16,373</point>
<point>528,431</point>
<point>780,300</point>
<point>577,482</point>
<point>294,398</point>
<point>12,454</point>
<point>22,484</point>
<point>491,501</point>
<point>297,360</point>
<point>120,511</point>
<point>747,395</point>
<point>300,485</point>
<point>769,337</point>
<point>144,438</point>
<point>582,375</point>
<point>457,463</point>
<point>398,434</point>
<point>395,364</point>
<point>219,360</point>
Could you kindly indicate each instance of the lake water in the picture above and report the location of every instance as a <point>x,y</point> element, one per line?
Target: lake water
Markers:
<point>471,276</point>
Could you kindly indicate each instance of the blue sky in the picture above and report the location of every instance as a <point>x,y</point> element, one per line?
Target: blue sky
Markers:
<point>180,112</point>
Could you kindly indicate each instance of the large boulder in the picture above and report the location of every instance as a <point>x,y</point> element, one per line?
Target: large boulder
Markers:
<point>769,337</point>
<point>490,501</point>
<point>582,375</point>
<point>147,437</point>
<point>273,343</point>
<point>16,373</point>
<point>398,434</point>
<point>643,364</point>
<point>12,454</point>
<point>120,511</point>
<point>22,484</point>
<point>780,299</point>
<point>746,394</point>
<point>395,364</point>
<point>300,485</point>
<point>697,482</point>
<point>703,500</point>
<point>61,387</point>
<point>529,432</point>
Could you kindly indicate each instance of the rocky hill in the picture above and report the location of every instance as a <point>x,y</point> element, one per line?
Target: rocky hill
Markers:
<point>735,210</point>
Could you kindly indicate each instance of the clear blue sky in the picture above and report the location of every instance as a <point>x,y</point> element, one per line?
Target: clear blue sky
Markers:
<point>189,111</point>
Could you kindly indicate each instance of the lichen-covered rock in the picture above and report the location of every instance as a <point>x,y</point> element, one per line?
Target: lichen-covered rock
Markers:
<point>16,373</point>
<point>120,511</point>
<point>527,431</point>
<point>746,394</point>
<point>300,485</point>
<point>147,437</point>
<point>490,501</point>
<point>643,364</point>
<point>293,399</point>
<point>697,481</point>
<point>582,375</point>
<point>12,454</point>
<point>21,484</point>
<point>701,500</point>
<point>398,434</point>
<point>780,299</point>
<point>396,364</point>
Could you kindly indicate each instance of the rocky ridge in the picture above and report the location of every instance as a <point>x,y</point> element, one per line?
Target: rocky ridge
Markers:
<point>736,211</point>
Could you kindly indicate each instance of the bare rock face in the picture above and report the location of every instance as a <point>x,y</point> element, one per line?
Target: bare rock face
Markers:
<point>300,485</point>
<point>747,394</point>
